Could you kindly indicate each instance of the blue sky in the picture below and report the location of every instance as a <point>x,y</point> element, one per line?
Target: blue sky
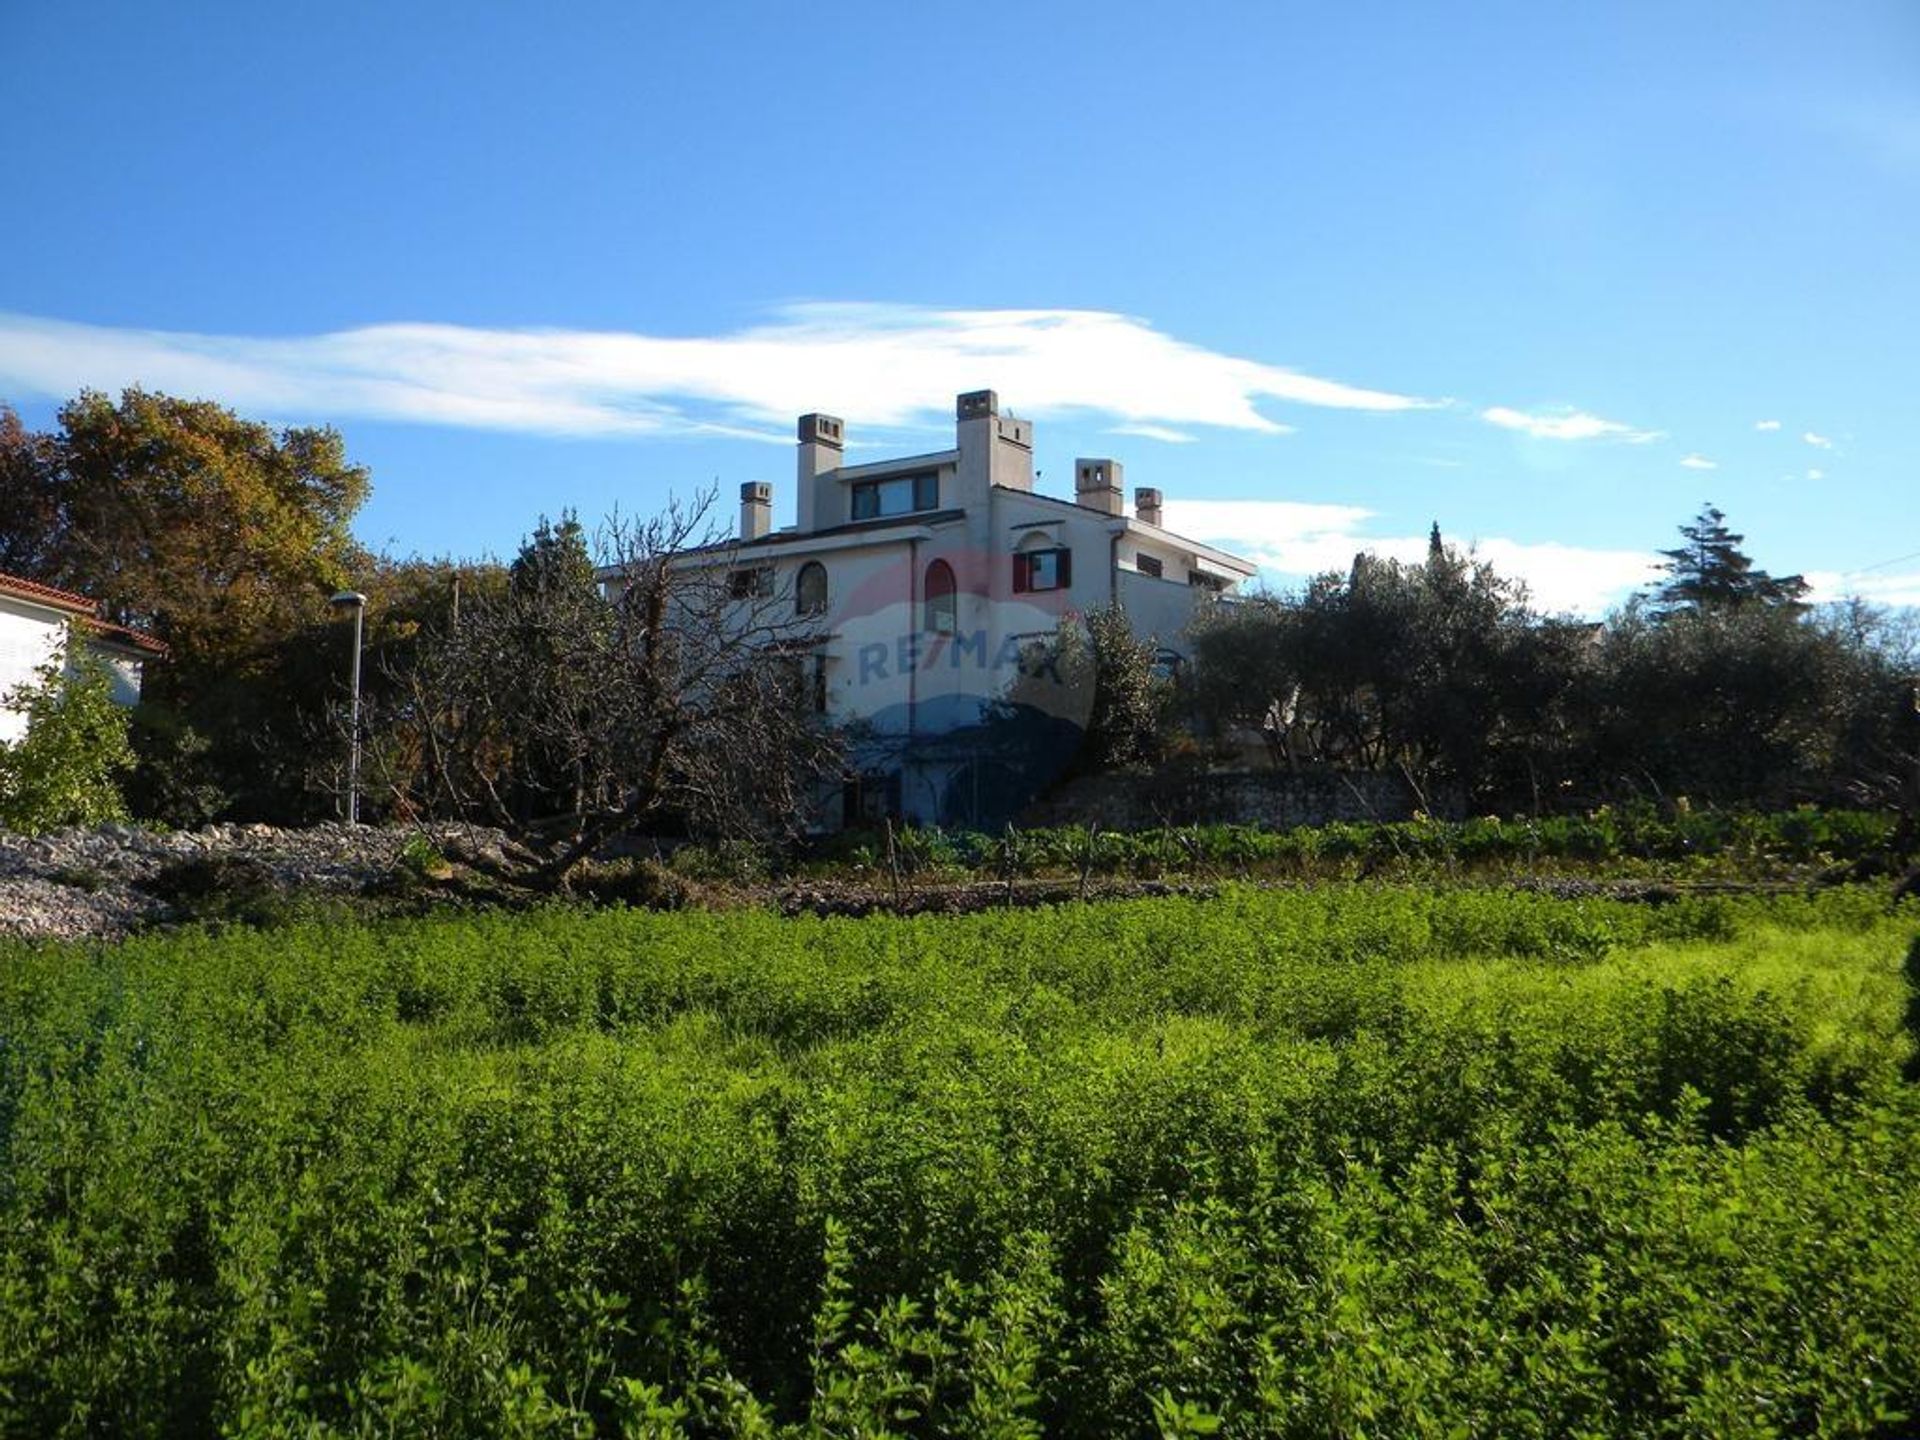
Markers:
<point>1551,275</point>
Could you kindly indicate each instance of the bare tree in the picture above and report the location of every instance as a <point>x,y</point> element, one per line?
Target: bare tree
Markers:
<point>676,680</point>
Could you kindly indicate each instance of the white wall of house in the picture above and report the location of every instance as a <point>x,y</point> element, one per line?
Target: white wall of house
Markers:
<point>30,635</point>
<point>889,662</point>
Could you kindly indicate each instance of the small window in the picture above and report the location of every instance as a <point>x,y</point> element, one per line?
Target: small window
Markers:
<point>750,582</point>
<point>943,601</point>
<point>870,799</point>
<point>1147,565</point>
<point>1043,569</point>
<point>810,589</point>
<point>901,495</point>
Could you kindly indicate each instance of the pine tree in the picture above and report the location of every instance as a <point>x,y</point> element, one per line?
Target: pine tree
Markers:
<point>1711,572</point>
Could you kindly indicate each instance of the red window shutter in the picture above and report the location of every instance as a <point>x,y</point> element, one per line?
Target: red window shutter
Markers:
<point>1021,575</point>
<point>1066,568</point>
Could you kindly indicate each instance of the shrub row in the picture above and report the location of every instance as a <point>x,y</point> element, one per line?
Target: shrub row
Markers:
<point>1626,835</point>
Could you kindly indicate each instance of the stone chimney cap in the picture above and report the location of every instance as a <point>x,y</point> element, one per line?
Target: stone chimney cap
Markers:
<point>758,491</point>
<point>975,404</point>
<point>823,430</point>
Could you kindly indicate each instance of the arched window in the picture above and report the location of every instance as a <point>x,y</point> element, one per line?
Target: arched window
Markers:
<point>943,605</point>
<point>810,589</point>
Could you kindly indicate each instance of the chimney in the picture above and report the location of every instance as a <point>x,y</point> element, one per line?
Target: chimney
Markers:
<point>1096,485</point>
<point>822,440</point>
<point>1146,505</point>
<point>995,449</point>
<point>756,509</point>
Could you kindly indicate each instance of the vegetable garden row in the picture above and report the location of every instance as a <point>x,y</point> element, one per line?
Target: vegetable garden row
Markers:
<point>1629,838</point>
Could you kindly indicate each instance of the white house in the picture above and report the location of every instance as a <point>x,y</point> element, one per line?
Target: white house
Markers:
<point>921,585</point>
<point>33,629</point>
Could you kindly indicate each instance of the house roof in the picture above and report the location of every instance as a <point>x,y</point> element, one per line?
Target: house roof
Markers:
<point>123,636</point>
<point>1231,566</point>
<point>85,611</point>
<point>22,588</point>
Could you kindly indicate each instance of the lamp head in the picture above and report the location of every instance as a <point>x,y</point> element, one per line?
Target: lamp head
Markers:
<point>349,597</point>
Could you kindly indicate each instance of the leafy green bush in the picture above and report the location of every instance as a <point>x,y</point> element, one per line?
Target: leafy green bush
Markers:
<point>64,770</point>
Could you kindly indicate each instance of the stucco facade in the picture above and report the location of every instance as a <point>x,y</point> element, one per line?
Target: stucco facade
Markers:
<point>34,620</point>
<point>921,585</point>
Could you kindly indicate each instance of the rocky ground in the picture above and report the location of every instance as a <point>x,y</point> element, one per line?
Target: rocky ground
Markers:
<point>110,881</point>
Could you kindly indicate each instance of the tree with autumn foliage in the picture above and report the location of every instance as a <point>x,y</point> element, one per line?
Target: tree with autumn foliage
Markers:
<point>217,535</point>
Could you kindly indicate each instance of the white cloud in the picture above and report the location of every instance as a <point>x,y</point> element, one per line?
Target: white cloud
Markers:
<point>1819,442</point>
<point>1291,540</point>
<point>891,361</point>
<point>1766,424</point>
<point>1155,432</point>
<point>1700,462</point>
<point>1565,424</point>
<point>1899,589</point>
<point>1816,474</point>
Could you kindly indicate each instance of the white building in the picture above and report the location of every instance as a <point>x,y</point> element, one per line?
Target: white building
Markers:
<point>33,630</point>
<point>922,584</point>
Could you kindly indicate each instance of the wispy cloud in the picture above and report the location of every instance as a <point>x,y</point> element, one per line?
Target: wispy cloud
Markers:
<point>1291,540</point>
<point>1162,433</point>
<point>1561,423</point>
<point>891,361</point>
<point>1700,462</point>
<point>1766,424</point>
<point>1895,589</point>
<point>1816,474</point>
<point>1819,442</point>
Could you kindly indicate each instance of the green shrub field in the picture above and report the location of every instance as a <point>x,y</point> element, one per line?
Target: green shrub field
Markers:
<point>1350,1161</point>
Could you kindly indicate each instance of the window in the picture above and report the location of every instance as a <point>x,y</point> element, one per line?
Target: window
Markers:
<point>1147,565</point>
<point>1043,569</point>
<point>803,677</point>
<point>750,582</point>
<point>810,589</point>
<point>869,799</point>
<point>942,600</point>
<point>901,495</point>
<point>1200,580</point>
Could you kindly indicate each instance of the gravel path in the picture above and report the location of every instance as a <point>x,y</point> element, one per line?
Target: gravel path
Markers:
<point>74,884</point>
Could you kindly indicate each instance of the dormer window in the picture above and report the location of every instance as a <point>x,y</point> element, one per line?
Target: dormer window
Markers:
<point>897,495</point>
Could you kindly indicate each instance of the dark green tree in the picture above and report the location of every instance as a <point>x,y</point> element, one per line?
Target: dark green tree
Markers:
<point>1129,701</point>
<point>1711,572</point>
<point>1439,670</point>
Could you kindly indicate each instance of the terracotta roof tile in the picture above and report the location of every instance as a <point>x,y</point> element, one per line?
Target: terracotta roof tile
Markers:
<point>123,635</point>
<point>27,589</point>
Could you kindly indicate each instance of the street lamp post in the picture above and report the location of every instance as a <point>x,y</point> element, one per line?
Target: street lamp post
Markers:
<point>358,603</point>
